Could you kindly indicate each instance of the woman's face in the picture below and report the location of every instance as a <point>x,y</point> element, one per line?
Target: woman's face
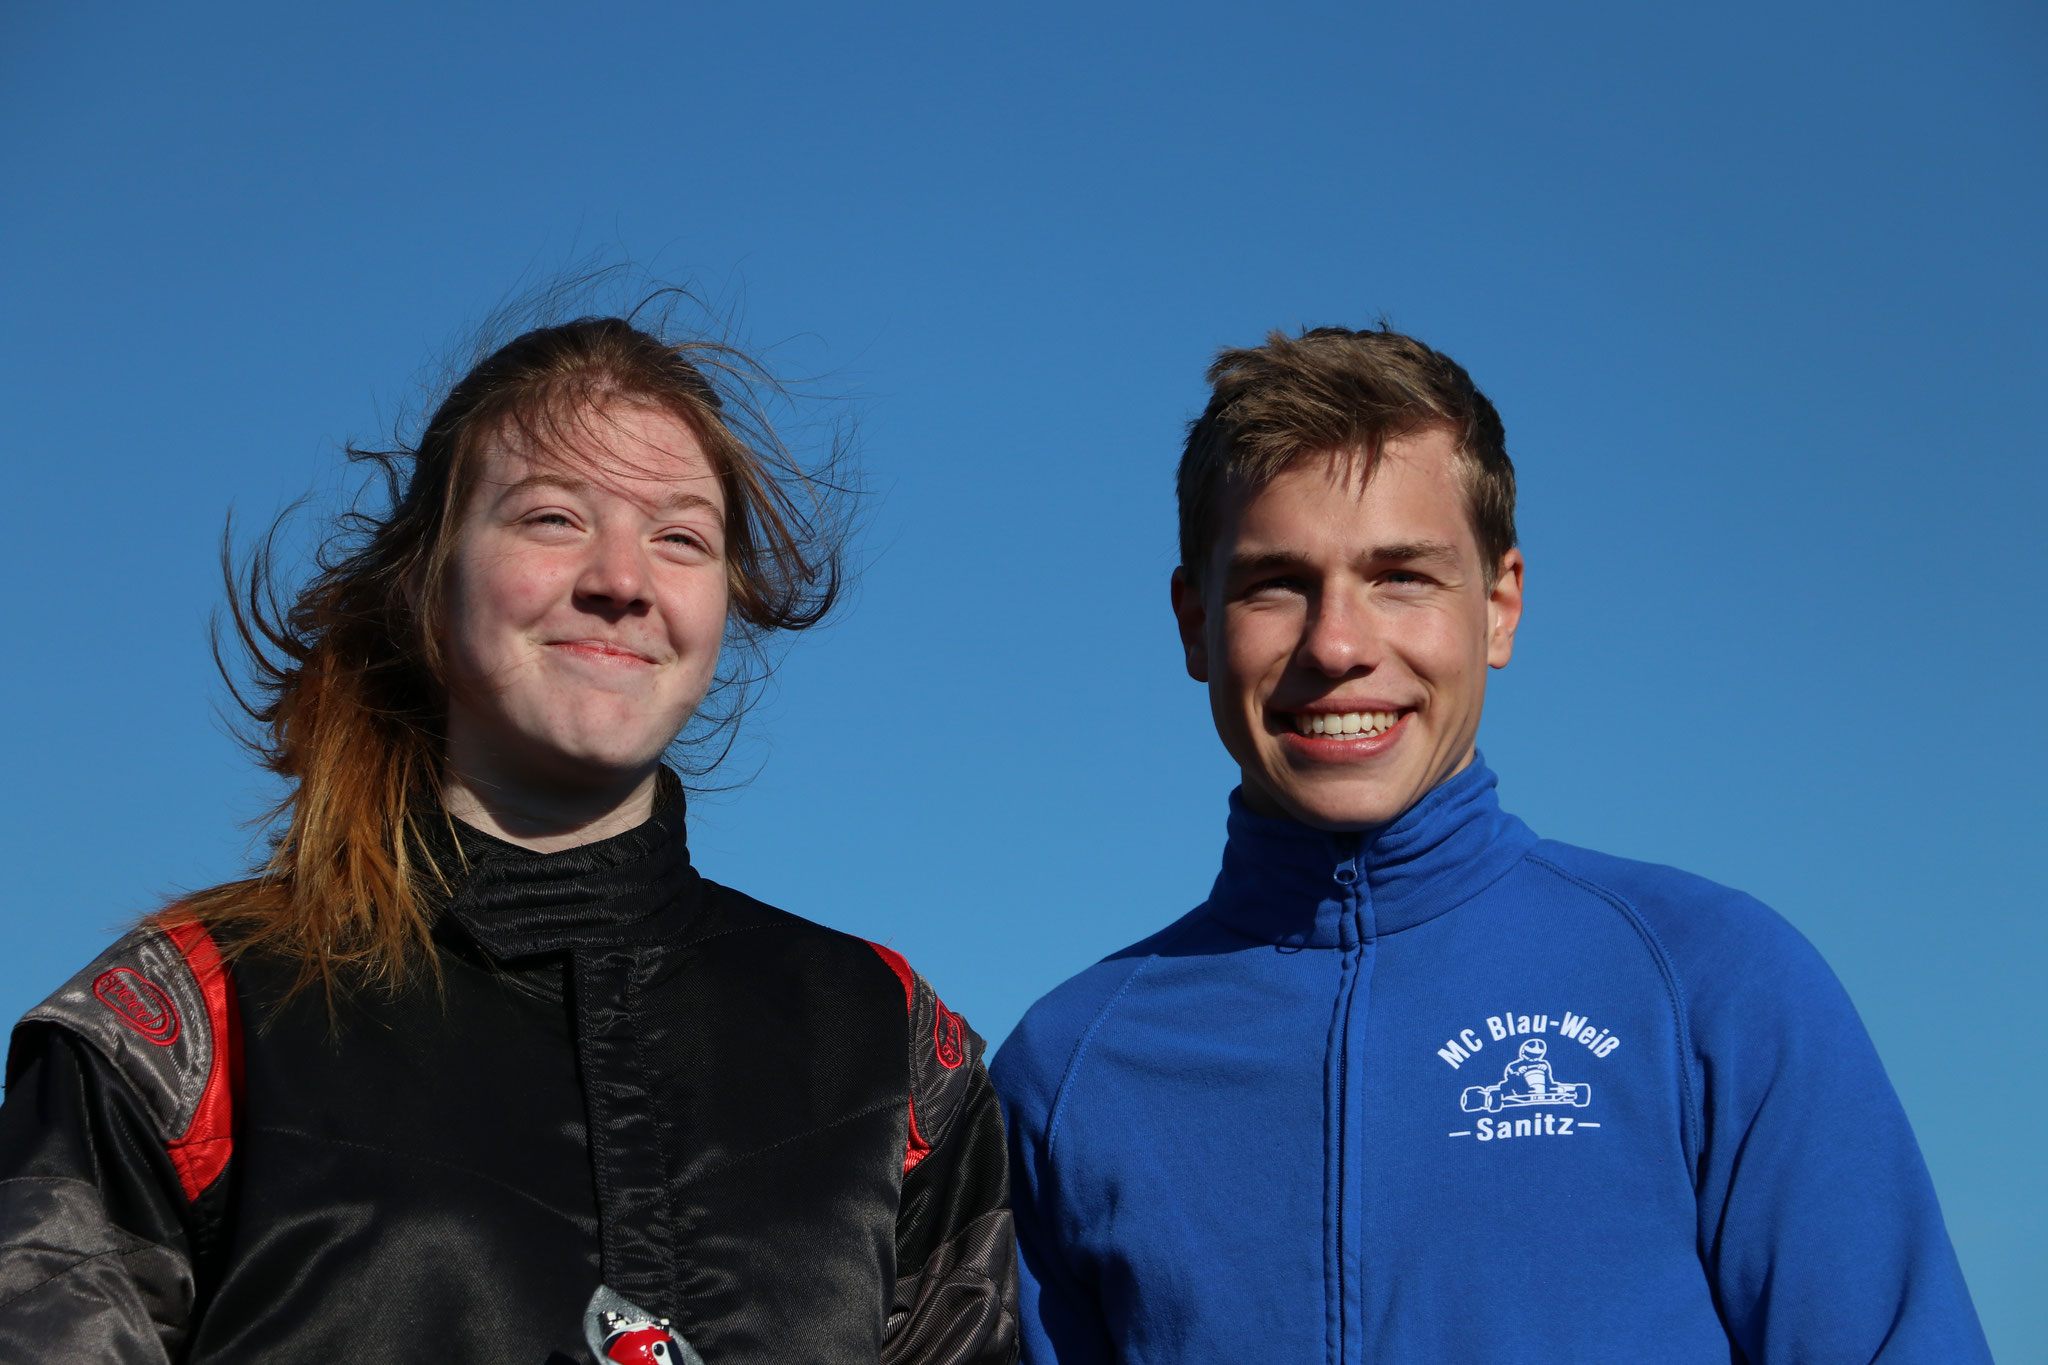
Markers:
<point>584,603</point>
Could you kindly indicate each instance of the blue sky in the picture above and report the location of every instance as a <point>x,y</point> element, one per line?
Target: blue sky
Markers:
<point>1757,289</point>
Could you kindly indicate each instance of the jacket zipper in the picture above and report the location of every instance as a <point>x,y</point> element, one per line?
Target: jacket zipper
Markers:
<point>1344,1155</point>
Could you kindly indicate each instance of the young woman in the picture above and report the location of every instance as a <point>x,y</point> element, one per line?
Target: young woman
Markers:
<point>478,1067</point>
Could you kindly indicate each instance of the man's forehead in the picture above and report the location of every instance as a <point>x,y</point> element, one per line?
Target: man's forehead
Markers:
<point>1410,493</point>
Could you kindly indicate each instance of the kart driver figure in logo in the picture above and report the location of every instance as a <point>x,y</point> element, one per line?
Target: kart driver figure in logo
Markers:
<point>1525,1080</point>
<point>1530,1071</point>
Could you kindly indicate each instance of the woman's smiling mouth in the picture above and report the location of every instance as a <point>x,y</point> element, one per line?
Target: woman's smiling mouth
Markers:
<point>603,651</point>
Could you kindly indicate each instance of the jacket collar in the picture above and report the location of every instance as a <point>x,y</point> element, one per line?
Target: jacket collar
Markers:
<point>633,887</point>
<point>1284,882</point>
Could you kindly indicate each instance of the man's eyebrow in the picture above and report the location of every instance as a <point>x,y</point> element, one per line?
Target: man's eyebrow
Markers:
<point>1400,552</point>
<point>1408,552</point>
<point>1263,561</point>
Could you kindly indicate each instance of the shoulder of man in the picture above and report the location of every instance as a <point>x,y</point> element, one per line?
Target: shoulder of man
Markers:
<point>1051,1038</point>
<point>160,1007</point>
<point>1728,953</point>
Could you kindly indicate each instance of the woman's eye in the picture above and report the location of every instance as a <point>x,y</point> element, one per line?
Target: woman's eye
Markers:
<point>686,540</point>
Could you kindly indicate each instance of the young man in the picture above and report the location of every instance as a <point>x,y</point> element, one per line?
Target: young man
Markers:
<point>1413,1084</point>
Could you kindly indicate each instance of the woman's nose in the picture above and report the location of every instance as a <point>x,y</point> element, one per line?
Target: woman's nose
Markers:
<point>615,574</point>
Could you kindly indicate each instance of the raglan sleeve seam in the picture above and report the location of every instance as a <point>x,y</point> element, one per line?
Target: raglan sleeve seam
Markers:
<point>1675,995</point>
<point>1056,1112</point>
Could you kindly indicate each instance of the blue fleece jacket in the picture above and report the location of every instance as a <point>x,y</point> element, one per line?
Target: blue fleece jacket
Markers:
<point>1447,1092</point>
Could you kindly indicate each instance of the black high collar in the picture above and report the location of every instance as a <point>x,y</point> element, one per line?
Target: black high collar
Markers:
<point>634,887</point>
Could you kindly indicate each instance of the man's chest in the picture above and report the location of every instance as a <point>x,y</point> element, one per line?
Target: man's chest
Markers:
<point>1357,1140</point>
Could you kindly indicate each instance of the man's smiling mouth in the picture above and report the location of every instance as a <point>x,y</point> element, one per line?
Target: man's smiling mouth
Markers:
<point>1344,724</point>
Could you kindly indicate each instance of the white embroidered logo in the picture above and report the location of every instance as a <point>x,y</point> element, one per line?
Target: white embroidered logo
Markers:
<point>1528,1081</point>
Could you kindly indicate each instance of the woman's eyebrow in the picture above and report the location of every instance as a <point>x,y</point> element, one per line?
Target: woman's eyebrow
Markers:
<point>545,479</point>
<point>677,501</point>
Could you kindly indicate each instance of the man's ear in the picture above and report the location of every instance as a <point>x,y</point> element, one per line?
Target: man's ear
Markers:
<point>1504,610</point>
<point>1191,614</point>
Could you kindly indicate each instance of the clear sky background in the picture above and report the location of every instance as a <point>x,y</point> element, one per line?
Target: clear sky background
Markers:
<point>1758,289</point>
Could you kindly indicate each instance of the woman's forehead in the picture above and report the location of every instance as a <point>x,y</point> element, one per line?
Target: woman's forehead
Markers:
<point>637,450</point>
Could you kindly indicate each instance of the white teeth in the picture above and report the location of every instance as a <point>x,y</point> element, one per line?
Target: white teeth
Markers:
<point>1347,723</point>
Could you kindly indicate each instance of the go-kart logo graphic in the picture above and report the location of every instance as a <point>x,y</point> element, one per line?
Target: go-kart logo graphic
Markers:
<point>1526,1080</point>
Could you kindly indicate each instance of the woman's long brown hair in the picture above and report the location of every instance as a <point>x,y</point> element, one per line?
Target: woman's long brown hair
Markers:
<point>344,686</point>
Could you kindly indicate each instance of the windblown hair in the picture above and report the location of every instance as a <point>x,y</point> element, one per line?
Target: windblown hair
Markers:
<point>1335,391</point>
<point>345,681</point>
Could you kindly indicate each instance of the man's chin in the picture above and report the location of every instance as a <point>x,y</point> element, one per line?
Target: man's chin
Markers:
<point>1340,807</point>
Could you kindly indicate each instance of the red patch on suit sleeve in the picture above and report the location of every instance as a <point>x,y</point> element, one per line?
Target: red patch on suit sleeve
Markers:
<point>139,1003</point>
<point>915,1148</point>
<point>946,1040</point>
<point>201,1152</point>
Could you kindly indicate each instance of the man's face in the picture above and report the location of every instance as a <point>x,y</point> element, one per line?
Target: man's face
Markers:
<point>585,602</point>
<point>1345,632</point>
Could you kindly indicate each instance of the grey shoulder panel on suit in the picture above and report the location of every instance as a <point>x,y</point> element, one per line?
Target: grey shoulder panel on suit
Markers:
<point>140,1006</point>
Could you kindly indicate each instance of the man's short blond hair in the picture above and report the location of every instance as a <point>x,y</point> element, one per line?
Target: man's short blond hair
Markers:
<point>1335,390</point>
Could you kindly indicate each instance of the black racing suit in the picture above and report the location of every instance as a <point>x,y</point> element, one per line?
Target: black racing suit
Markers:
<point>769,1133</point>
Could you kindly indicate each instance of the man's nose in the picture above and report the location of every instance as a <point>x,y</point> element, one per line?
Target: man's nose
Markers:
<point>1340,638</point>
<point>614,575</point>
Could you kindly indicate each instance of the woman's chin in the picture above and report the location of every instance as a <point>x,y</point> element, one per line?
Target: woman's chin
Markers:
<point>591,763</point>
<point>599,764</point>
<point>590,750</point>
